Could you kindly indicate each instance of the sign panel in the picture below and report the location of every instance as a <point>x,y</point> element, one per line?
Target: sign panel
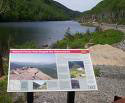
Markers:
<point>50,70</point>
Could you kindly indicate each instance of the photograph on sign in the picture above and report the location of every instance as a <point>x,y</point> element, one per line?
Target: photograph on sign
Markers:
<point>33,67</point>
<point>50,70</point>
<point>76,69</point>
<point>39,85</point>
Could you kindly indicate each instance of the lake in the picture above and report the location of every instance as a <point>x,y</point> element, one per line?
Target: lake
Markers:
<point>42,33</point>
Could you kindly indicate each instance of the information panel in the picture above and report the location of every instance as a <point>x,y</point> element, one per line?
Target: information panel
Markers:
<point>50,70</point>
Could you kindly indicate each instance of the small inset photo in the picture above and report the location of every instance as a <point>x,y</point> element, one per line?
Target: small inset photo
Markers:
<point>40,85</point>
<point>77,69</point>
<point>75,84</point>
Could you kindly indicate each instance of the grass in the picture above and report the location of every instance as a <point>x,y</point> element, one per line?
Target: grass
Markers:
<point>97,72</point>
<point>79,40</point>
<point>107,37</point>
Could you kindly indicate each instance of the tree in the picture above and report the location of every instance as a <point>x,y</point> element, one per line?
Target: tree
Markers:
<point>5,42</point>
<point>3,6</point>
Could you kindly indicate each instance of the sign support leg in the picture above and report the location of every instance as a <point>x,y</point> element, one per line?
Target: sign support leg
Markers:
<point>30,97</point>
<point>71,97</point>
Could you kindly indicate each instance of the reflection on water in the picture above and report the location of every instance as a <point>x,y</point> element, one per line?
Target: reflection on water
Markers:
<point>42,32</point>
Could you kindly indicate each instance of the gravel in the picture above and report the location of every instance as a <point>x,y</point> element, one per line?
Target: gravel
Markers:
<point>120,45</point>
<point>111,83</point>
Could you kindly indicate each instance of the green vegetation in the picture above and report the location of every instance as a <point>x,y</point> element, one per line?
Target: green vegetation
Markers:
<point>26,45</point>
<point>79,40</point>
<point>109,6</point>
<point>20,10</point>
<point>4,96</point>
<point>97,72</point>
<point>107,37</point>
<point>7,97</point>
<point>110,11</point>
<point>76,73</point>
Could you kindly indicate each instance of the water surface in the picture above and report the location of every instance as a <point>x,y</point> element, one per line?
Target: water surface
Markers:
<point>42,33</point>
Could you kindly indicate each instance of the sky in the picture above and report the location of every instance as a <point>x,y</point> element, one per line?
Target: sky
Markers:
<point>79,5</point>
<point>40,82</point>
<point>34,58</point>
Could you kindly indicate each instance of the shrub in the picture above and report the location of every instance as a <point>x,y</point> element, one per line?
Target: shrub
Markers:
<point>4,96</point>
<point>97,72</point>
<point>107,37</point>
<point>79,39</point>
<point>26,45</point>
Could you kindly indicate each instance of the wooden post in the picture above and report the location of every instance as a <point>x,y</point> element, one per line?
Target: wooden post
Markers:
<point>30,97</point>
<point>71,97</point>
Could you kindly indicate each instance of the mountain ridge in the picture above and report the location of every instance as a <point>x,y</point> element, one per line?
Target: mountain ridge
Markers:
<point>110,11</point>
<point>36,10</point>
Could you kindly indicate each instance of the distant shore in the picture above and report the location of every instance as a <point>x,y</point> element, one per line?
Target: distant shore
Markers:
<point>106,26</point>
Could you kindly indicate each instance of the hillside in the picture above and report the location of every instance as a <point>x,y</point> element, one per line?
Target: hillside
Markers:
<point>111,11</point>
<point>18,10</point>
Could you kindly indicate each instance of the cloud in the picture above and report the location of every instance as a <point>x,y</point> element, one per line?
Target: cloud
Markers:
<point>79,5</point>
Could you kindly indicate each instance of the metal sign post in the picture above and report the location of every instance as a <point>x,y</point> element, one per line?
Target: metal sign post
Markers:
<point>71,97</point>
<point>30,97</point>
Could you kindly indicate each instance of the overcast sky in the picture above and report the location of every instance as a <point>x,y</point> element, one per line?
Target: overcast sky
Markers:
<point>34,58</point>
<point>79,5</point>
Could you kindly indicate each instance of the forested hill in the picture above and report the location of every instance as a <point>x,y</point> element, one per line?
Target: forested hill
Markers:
<point>19,10</point>
<point>71,13</point>
<point>112,11</point>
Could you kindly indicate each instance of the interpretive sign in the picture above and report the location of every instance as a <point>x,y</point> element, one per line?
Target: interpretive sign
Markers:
<point>50,70</point>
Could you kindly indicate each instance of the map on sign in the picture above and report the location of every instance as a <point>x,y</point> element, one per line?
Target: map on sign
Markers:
<point>50,70</point>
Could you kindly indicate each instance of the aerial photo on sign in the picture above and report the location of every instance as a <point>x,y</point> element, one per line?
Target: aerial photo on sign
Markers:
<point>33,67</point>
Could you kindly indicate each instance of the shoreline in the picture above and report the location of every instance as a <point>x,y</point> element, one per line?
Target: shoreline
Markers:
<point>106,26</point>
<point>12,21</point>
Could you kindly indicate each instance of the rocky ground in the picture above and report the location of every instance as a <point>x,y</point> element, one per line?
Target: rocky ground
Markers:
<point>120,45</point>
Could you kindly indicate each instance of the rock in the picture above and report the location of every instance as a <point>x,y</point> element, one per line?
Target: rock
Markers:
<point>28,74</point>
<point>15,72</point>
<point>107,55</point>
